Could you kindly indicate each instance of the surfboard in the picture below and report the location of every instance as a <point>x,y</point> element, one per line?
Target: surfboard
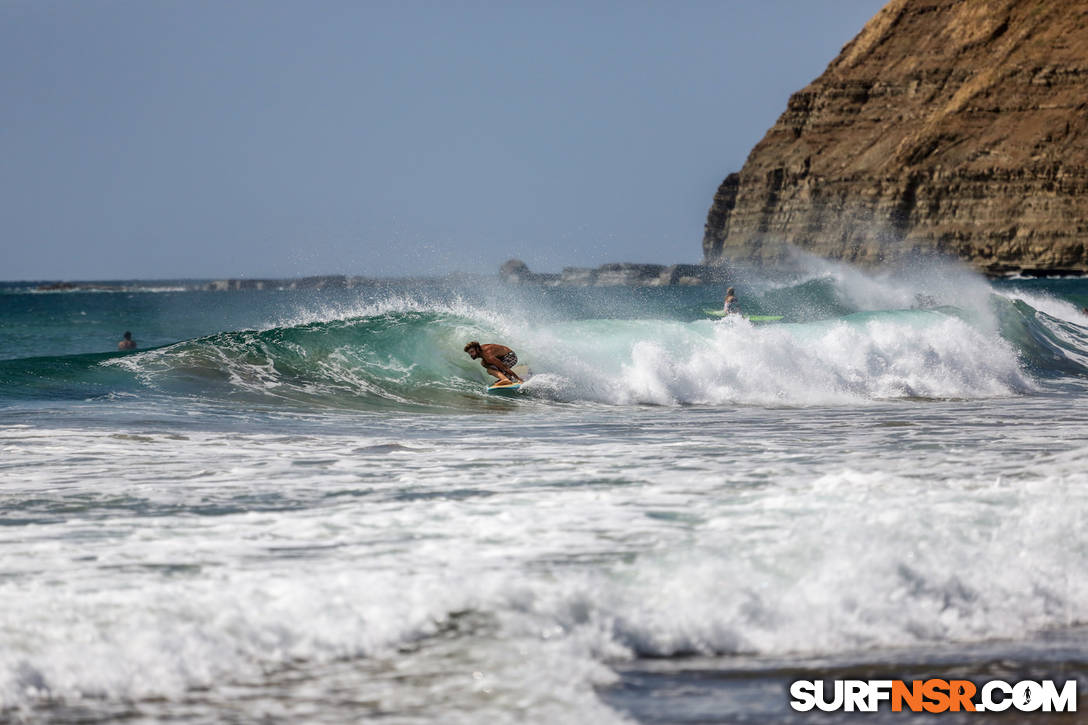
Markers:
<point>750,318</point>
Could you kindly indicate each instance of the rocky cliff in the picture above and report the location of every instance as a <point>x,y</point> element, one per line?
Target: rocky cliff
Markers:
<point>952,125</point>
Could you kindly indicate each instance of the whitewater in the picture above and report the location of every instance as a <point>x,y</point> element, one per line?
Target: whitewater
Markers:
<point>303,506</point>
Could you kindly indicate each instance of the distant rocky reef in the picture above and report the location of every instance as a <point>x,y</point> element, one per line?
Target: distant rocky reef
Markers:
<point>945,126</point>
<point>336,281</point>
<point>332,281</point>
<point>609,275</point>
<point>79,287</point>
<point>514,271</point>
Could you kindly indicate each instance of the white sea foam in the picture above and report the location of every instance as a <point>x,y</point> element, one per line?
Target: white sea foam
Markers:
<point>499,582</point>
<point>871,565</point>
<point>912,354</point>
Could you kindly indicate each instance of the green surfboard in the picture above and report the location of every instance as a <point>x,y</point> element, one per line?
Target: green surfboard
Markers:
<point>750,318</point>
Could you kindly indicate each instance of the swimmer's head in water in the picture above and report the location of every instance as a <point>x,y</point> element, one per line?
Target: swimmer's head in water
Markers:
<point>729,291</point>
<point>128,335</point>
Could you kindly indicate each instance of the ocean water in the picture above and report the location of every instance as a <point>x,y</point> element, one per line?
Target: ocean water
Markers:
<point>293,506</point>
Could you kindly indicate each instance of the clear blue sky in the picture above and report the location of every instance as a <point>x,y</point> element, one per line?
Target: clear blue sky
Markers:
<point>154,139</point>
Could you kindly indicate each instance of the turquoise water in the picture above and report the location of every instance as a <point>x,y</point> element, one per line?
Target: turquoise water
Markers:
<point>291,505</point>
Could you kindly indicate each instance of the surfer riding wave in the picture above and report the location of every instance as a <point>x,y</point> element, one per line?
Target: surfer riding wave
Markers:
<point>498,360</point>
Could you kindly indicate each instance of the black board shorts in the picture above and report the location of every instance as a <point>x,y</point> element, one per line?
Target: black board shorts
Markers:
<point>509,359</point>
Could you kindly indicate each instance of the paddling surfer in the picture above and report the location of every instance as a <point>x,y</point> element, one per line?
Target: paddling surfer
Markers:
<point>497,360</point>
<point>127,343</point>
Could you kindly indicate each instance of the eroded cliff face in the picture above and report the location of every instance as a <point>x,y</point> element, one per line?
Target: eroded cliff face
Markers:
<point>952,125</point>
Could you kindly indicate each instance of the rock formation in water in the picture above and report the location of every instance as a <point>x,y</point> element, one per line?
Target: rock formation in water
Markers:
<point>959,126</point>
<point>610,275</point>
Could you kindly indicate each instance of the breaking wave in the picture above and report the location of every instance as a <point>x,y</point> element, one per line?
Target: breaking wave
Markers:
<point>843,339</point>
